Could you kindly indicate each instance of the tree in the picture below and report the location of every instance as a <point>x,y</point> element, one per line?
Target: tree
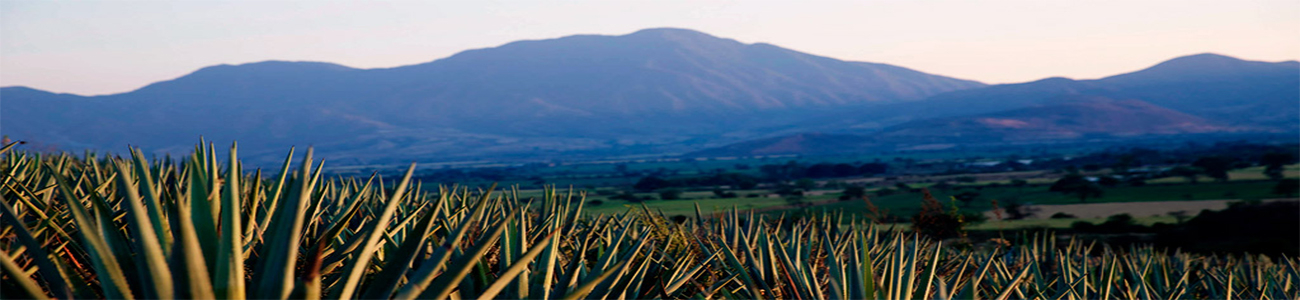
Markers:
<point>805,184</point>
<point>1185,172</point>
<point>1017,210</point>
<point>1108,181</point>
<point>723,193</point>
<point>1078,185</point>
<point>626,196</point>
<point>1288,187</point>
<point>966,197</point>
<point>1216,167</point>
<point>670,194</point>
<point>854,192</point>
<point>934,220</point>
<point>821,170</point>
<point>1274,163</point>
<point>873,168</point>
<point>796,200</point>
<point>650,183</point>
<point>844,170</point>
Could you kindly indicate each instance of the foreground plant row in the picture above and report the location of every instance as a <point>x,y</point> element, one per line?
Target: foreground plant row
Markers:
<point>91,227</point>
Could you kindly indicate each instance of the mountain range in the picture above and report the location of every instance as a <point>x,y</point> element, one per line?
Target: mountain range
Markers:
<point>651,92</point>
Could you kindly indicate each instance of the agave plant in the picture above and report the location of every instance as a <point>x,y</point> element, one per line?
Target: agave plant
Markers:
<point>200,227</point>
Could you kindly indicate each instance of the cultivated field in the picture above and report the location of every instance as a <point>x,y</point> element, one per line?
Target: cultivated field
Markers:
<point>125,228</point>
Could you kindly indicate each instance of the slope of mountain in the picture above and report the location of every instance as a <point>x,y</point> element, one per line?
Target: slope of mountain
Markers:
<point>1211,86</point>
<point>1203,93</point>
<point>651,86</point>
<point>1219,87</point>
<point>1072,118</point>
<point>801,144</point>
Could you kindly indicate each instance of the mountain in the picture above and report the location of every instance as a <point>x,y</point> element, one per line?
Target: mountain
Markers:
<point>1203,93</point>
<point>1211,86</point>
<point>1073,118</point>
<point>1219,87</point>
<point>666,86</point>
<point>801,144</point>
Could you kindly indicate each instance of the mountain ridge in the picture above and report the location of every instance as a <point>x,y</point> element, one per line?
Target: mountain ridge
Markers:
<point>1220,93</point>
<point>663,89</point>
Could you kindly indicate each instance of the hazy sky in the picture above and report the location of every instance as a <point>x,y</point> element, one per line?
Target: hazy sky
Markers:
<point>89,47</point>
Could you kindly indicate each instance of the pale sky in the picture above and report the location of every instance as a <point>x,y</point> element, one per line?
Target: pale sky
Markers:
<point>105,47</point>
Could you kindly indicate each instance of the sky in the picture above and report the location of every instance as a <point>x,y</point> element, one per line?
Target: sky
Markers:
<point>106,47</point>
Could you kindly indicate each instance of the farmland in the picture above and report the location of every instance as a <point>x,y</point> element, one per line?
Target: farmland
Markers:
<point>201,227</point>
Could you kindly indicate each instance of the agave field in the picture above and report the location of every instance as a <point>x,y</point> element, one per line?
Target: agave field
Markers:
<point>203,227</point>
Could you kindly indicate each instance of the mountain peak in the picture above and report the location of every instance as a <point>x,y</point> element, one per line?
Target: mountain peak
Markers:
<point>680,36</point>
<point>666,31</point>
<point>280,65</point>
<point>1204,67</point>
<point>1198,61</point>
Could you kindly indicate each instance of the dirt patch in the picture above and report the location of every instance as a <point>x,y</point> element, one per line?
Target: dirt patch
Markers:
<point>1136,209</point>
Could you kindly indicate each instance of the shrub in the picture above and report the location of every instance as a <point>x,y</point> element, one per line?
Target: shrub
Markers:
<point>720,193</point>
<point>853,192</point>
<point>626,196</point>
<point>1120,223</point>
<point>1061,215</point>
<point>606,192</point>
<point>885,192</point>
<point>670,194</point>
<point>1287,187</point>
<point>1265,228</point>
<point>934,220</point>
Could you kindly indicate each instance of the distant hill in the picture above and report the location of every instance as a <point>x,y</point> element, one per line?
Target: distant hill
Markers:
<point>655,91</point>
<point>1211,86</point>
<point>1077,117</point>
<point>801,144</point>
<point>652,87</point>
<point>1204,93</point>
<point>1074,118</point>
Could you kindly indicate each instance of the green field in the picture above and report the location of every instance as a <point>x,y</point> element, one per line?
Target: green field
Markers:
<point>1245,174</point>
<point>907,204</point>
<point>1059,223</point>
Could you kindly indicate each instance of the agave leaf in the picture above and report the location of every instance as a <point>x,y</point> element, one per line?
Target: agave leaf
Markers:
<point>112,281</point>
<point>420,280</point>
<point>153,262</point>
<point>152,201</point>
<point>366,252</point>
<point>58,286</point>
<point>515,269</point>
<point>189,267</point>
<point>586,288</point>
<point>386,281</point>
<point>277,271</point>
<point>20,277</point>
<point>458,270</point>
<point>230,250</point>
